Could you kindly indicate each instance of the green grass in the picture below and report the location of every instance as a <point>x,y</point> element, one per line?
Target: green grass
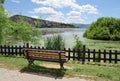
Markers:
<point>102,44</point>
<point>95,71</point>
<point>13,62</point>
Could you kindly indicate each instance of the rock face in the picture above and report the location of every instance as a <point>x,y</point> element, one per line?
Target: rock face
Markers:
<point>41,23</point>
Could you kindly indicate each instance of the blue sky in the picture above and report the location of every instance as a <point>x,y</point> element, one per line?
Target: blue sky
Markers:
<point>66,11</point>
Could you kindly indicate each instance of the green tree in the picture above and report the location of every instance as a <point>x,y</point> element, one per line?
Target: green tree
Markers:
<point>20,31</point>
<point>2,20</point>
<point>105,28</point>
<point>2,1</point>
<point>14,32</point>
<point>38,23</point>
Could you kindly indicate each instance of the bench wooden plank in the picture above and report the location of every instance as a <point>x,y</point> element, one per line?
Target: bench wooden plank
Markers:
<point>45,55</point>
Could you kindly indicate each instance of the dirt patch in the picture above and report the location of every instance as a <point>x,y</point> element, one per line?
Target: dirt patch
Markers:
<point>3,65</point>
<point>55,66</point>
<point>16,75</point>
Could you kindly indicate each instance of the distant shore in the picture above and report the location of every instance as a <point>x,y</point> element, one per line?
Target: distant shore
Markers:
<point>57,30</point>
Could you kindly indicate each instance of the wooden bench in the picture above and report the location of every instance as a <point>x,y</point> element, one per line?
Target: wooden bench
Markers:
<point>45,55</point>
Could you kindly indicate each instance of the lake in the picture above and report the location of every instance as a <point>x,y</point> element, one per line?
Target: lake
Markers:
<point>68,35</point>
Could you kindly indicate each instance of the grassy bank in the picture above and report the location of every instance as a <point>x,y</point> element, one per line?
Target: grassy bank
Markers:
<point>94,71</point>
<point>102,44</point>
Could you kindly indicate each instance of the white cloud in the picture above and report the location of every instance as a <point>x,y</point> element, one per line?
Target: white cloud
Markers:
<point>90,9</point>
<point>45,10</point>
<point>71,17</point>
<point>50,12</point>
<point>15,1</point>
<point>75,11</point>
<point>55,3</point>
<point>67,3</point>
<point>52,15</point>
<point>74,17</point>
<point>58,18</point>
<point>85,9</point>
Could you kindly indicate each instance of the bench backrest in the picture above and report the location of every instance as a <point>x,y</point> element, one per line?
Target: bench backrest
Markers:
<point>53,54</point>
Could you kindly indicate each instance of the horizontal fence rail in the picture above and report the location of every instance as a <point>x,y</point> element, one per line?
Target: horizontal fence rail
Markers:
<point>82,55</point>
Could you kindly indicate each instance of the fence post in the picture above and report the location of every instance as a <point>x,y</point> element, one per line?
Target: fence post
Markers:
<point>69,54</point>
<point>8,50</point>
<point>99,55</point>
<point>104,55</point>
<point>94,56</point>
<point>79,54</point>
<point>27,45</point>
<point>115,56</point>
<point>5,49</point>
<point>89,55</point>
<point>74,54</point>
<point>16,51</point>
<point>110,56</point>
<point>83,55</point>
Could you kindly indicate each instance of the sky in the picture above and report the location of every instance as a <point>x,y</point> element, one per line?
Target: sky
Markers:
<point>65,11</point>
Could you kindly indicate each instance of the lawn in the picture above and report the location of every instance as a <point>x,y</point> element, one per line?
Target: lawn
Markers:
<point>94,71</point>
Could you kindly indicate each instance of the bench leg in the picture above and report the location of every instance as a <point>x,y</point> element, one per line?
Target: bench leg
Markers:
<point>30,61</point>
<point>61,66</point>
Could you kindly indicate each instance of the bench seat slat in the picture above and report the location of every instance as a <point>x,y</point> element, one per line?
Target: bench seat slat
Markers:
<point>48,59</point>
<point>41,54</point>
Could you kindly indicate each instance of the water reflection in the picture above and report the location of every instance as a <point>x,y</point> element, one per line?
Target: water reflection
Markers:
<point>67,34</point>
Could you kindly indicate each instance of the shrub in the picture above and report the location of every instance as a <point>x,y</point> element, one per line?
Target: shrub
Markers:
<point>78,43</point>
<point>55,42</point>
<point>105,28</point>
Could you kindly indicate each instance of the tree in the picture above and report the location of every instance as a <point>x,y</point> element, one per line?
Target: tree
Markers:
<point>2,1</point>
<point>105,28</point>
<point>20,32</point>
<point>2,20</point>
<point>38,23</point>
<point>14,32</point>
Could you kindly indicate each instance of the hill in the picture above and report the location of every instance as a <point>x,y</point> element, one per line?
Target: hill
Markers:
<point>82,25</point>
<point>40,23</point>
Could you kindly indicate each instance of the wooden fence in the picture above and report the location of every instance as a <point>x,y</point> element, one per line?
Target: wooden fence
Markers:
<point>82,55</point>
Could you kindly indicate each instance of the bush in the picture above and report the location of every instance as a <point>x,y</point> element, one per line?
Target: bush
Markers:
<point>55,42</point>
<point>78,43</point>
<point>105,28</point>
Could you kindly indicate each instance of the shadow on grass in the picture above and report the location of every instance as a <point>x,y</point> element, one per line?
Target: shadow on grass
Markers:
<point>34,69</point>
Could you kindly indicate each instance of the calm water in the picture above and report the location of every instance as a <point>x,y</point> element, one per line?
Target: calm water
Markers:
<point>67,34</point>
